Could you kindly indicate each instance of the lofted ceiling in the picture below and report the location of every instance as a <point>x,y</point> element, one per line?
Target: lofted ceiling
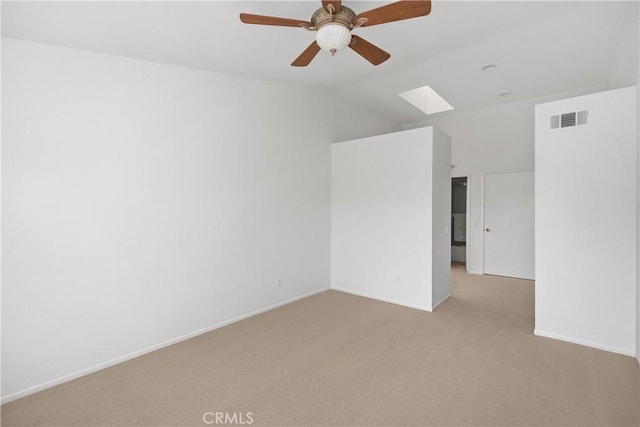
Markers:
<point>539,47</point>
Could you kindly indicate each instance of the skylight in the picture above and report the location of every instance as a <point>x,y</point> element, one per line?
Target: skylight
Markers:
<point>426,100</point>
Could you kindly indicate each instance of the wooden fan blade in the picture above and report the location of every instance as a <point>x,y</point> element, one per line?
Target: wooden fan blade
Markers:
<point>307,56</point>
<point>403,9</point>
<point>248,18</point>
<point>336,5</point>
<point>368,51</point>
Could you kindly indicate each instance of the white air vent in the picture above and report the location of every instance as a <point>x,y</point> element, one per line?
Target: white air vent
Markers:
<point>569,120</point>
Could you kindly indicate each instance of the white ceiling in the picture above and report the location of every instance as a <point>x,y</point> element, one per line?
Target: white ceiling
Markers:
<point>539,47</point>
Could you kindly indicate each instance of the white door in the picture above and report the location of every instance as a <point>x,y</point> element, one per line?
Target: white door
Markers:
<point>509,224</point>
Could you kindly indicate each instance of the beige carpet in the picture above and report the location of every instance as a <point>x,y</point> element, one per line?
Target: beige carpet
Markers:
<point>458,266</point>
<point>338,359</point>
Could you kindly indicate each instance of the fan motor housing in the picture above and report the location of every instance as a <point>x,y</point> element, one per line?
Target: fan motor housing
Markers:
<point>344,16</point>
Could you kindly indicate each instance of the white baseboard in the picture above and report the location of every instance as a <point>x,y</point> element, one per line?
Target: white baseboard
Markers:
<point>441,301</point>
<point>638,361</point>
<point>117,360</point>
<point>480,273</point>
<point>584,342</point>
<point>379,298</point>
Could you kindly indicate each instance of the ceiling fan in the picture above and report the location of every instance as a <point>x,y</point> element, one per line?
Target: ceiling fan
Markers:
<point>333,24</point>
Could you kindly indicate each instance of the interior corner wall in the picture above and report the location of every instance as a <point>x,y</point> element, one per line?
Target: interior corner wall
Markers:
<point>625,71</point>
<point>638,217</point>
<point>638,228</point>
<point>625,65</point>
<point>585,230</point>
<point>637,83</point>
<point>144,203</point>
<point>382,216</point>
<point>441,218</point>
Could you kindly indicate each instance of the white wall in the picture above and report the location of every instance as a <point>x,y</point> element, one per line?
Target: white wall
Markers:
<point>383,216</point>
<point>143,203</point>
<point>350,121</point>
<point>458,253</point>
<point>441,218</point>
<point>637,83</point>
<point>624,68</point>
<point>586,222</point>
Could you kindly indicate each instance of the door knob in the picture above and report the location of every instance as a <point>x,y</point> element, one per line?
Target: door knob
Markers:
<point>487,229</point>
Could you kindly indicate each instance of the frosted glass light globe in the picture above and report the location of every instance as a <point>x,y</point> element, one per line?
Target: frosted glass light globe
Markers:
<point>333,38</point>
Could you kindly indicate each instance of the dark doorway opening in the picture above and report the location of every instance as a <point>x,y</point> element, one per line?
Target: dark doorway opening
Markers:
<point>459,222</point>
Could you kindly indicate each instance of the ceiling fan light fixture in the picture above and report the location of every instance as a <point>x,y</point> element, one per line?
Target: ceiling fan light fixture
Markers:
<point>333,37</point>
<point>333,23</point>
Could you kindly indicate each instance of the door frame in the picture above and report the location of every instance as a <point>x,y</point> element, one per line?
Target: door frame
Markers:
<point>484,174</point>
<point>468,220</point>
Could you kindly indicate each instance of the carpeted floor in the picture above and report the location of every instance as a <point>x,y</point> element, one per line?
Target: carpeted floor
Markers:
<point>458,266</point>
<point>338,359</point>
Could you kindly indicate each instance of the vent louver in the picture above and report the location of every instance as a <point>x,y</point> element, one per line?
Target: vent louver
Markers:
<point>582,118</point>
<point>568,120</point>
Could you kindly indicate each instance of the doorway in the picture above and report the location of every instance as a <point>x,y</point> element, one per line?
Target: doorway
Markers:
<point>459,223</point>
